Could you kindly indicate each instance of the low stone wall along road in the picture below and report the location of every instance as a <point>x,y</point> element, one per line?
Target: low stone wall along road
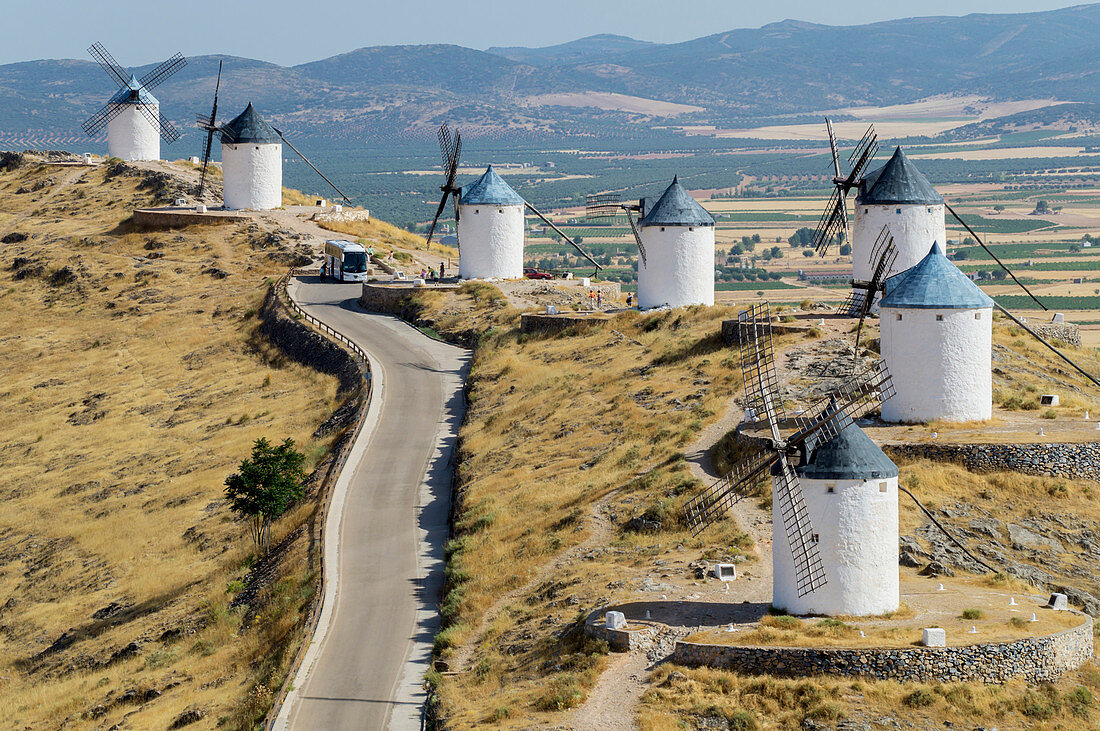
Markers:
<point>385,529</point>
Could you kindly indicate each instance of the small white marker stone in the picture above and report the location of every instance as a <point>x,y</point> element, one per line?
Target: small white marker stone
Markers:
<point>972,631</point>
<point>861,634</point>
<point>821,321</point>
<point>615,620</point>
<point>1098,426</point>
<point>648,615</point>
<point>1086,416</point>
<point>940,588</point>
<point>730,628</point>
<point>1041,432</point>
<point>935,435</point>
<point>933,637</point>
<point>1033,617</point>
<point>1012,601</point>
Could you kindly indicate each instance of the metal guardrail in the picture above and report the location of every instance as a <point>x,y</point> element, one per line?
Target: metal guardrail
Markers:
<point>328,482</point>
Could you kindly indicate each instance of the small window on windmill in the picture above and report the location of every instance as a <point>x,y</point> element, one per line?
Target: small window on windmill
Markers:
<point>977,315</point>
<point>500,210</point>
<point>477,210</point>
<point>939,318</point>
<point>897,316</point>
<point>691,228</point>
<point>830,489</point>
<point>865,210</point>
<point>898,211</point>
<point>882,487</point>
<point>662,228</point>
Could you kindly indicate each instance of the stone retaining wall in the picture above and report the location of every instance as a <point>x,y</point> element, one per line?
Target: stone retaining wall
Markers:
<point>1073,461</point>
<point>1036,659</point>
<point>620,640</point>
<point>1067,332</point>
<point>732,335</point>
<point>393,298</point>
<point>542,323</point>
<point>305,345</point>
<point>149,219</point>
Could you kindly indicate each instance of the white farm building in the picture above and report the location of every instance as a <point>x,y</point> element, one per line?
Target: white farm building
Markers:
<point>252,163</point>
<point>898,196</point>
<point>490,229</point>
<point>850,488</point>
<point>937,339</point>
<point>677,268</point>
<point>132,134</point>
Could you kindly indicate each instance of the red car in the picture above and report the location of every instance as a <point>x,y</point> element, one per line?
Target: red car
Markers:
<point>536,274</point>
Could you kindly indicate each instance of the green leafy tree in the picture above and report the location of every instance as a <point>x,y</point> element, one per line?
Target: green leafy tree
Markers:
<point>777,253</point>
<point>265,486</point>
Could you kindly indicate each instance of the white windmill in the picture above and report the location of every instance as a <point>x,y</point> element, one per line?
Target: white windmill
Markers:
<point>489,218</point>
<point>252,162</point>
<point>834,508</point>
<point>490,229</point>
<point>675,237</point>
<point>937,337</point>
<point>252,158</point>
<point>132,116</point>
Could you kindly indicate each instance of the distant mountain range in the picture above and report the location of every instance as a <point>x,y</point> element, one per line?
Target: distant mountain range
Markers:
<point>403,92</point>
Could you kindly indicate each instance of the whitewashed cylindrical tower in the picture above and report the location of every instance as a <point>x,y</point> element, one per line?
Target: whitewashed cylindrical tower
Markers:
<point>252,163</point>
<point>937,339</point>
<point>678,237</point>
<point>490,229</point>
<point>851,492</point>
<point>896,195</point>
<point>131,135</point>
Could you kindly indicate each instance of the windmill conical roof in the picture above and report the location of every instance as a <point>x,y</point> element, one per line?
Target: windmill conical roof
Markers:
<point>898,181</point>
<point>134,93</point>
<point>249,126</point>
<point>850,455</point>
<point>934,283</point>
<point>676,207</point>
<point>489,190</point>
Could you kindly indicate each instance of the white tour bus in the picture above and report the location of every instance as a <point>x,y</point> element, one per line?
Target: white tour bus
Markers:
<point>345,261</point>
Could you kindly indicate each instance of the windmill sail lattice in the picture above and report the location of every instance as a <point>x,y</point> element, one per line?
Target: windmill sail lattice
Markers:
<point>833,224</point>
<point>133,93</point>
<point>853,399</point>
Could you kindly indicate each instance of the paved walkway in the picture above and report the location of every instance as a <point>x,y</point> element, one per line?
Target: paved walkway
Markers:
<point>386,529</point>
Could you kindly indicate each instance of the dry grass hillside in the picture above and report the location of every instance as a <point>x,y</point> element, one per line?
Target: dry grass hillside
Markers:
<point>571,485</point>
<point>132,384</point>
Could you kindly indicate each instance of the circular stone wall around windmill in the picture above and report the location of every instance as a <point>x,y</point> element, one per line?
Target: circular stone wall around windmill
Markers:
<point>678,267</point>
<point>850,488</point>
<point>898,196</point>
<point>490,229</point>
<point>252,163</point>
<point>937,339</point>
<point>131,137</point>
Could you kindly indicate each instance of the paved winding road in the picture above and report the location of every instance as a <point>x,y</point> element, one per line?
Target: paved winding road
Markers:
<point>386,527</point>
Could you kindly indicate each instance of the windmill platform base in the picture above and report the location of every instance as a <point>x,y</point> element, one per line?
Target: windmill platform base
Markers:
<point>171,217</point>
<point>1025,639</point>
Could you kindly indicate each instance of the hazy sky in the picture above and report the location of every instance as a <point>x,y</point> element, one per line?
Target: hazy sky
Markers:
<point>291,31</point>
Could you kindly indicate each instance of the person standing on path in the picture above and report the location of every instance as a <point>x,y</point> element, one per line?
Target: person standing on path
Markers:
<point>442,270</point>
